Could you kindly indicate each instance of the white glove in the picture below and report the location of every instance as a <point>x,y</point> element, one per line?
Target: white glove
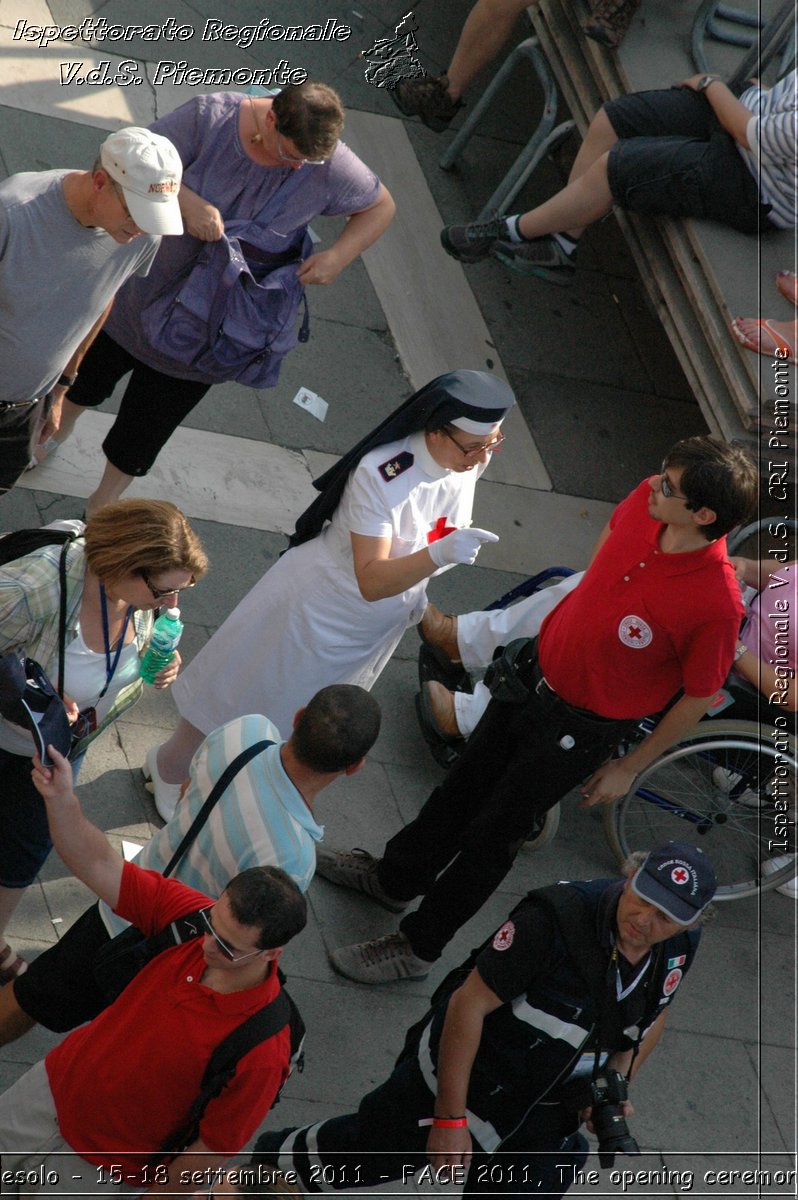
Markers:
<point>462,546</point>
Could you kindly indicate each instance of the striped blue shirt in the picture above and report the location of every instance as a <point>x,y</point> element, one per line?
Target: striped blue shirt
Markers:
<point>260,820</point>
<point>771,159</point>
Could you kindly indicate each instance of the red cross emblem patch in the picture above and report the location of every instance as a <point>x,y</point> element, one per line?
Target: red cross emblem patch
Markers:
<point>672,981</point>
<point>504,938</point>
<point>679,875</point>
<point>635,632</point>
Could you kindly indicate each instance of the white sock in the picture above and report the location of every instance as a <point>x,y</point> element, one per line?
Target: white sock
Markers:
<point>567,243</point>
<point>513,234</point>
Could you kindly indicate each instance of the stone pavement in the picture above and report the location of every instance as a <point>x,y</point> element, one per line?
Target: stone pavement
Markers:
<point>602,399</point>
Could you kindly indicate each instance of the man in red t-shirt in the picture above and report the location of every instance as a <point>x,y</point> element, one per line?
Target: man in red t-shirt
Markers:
<point>658,610</point>
<point>105,1101</point>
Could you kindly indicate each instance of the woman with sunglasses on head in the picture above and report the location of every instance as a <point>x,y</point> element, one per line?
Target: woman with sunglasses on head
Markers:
<point>239,154</point>
<point>392,512</point>
<point>132,558</point>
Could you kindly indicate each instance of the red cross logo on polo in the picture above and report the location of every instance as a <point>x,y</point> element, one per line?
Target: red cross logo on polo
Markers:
<point>634,632</point>
<point>672,981</point>
<point>440,529</point>
<point>504,938</point>
<point>679,875</point>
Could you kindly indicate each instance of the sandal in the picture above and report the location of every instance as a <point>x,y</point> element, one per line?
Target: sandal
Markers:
<point>767,332</point>
<point>11,965</point>
<point>787,283</point>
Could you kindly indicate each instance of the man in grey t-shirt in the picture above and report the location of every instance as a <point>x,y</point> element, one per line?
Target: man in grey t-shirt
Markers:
<point>68,241</point>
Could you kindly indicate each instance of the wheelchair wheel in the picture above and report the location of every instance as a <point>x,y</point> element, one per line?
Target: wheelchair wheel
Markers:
<point>775,532</point>
<point>728,789</point>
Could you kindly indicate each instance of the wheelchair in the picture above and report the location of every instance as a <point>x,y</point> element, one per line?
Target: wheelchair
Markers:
<point>729,785</point>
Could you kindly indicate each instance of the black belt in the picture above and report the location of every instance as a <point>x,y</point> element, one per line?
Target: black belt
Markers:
<point>545,692</point>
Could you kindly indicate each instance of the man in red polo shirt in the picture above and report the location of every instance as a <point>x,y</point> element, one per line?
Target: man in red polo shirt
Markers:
<point>658,611</point>
<point>99,1108</point>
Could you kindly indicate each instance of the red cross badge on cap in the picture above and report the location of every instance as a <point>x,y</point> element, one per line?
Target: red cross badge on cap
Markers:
<point>679,875</point>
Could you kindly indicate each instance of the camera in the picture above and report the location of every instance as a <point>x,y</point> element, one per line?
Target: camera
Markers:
<point>608,1092</point>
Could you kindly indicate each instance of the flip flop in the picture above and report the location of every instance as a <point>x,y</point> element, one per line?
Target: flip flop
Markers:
<point>779,341</point>
<point>787,283</point>
<point>11,965</point>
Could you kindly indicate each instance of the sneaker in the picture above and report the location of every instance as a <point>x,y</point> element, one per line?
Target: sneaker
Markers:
<point>543,256</point>
<point>166,795</point>
<point>382,960</point>
<point>470,243</point>
<point>427,98</point>
<point>356,869</point>
<point>790,887</point>
<point>726,781</point>
<point>610,20</point>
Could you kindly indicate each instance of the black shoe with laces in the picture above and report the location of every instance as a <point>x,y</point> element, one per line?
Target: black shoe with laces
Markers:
<point>543,256</point>
<point>471,243</point>
<point>428,99</point>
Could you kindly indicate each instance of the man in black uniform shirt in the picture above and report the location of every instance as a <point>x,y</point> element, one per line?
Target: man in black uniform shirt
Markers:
<point>575,983</point>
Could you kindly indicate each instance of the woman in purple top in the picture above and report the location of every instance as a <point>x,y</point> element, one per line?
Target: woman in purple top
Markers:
<point>237,150</point>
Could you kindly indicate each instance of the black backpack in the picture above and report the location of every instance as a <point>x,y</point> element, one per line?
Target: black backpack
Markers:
<point>223,1063</point>
<point>26,541</point>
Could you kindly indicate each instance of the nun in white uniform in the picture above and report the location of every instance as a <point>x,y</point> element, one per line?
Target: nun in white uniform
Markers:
<point>393,512</point>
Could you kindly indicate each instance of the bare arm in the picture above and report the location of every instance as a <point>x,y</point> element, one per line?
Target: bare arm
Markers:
<point>756,573</point>
<point>766,679</point>
<point>379,576</point>
<point>616,777</point>
<point>201,218</point>
<point>82,846</point>
<point>361,230</point>
<point>53,421</point>
<point>460,1039</point>
<point>733,115</point>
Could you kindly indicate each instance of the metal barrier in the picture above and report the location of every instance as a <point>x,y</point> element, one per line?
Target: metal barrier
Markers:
<point>545,138</point>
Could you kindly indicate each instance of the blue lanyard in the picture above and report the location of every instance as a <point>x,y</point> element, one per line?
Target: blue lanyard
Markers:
<point>110,667</point>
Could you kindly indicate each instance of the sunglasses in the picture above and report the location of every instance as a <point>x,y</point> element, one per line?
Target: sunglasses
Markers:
<point>492,446</point>
<point>223,946</point>
<point>159,593</point>
<point>667,488</point>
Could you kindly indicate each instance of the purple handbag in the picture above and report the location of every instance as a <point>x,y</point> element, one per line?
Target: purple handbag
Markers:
<point>232,315</point>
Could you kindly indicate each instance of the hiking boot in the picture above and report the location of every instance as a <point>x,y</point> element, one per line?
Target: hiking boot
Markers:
<point>382,960</point>
<point>426,98</point>
<point>609,21</point>
<point>356,869</point>
<point>544,256</point>
<point>470,243</point>
<point>438,630</point>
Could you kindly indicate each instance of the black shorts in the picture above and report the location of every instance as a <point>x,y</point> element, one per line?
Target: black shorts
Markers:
<point>58,989</point>
<point>673,157</point>
<point>152,406</point>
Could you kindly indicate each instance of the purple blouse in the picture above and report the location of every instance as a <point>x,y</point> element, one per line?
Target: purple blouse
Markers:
<point>217,167</point>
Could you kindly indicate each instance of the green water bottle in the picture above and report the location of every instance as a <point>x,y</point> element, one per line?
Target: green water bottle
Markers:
<point>166,633</point>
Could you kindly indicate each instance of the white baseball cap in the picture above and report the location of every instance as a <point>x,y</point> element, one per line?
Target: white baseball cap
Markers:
<point>148,169</point>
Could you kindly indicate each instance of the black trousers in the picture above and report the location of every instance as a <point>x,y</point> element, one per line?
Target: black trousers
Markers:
<point>18,425</point>
<point>465,839</point>
<point>152,407</point>
<point>383,1141</point>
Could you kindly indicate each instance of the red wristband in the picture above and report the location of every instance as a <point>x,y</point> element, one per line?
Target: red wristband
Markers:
<point>449,1122</point>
